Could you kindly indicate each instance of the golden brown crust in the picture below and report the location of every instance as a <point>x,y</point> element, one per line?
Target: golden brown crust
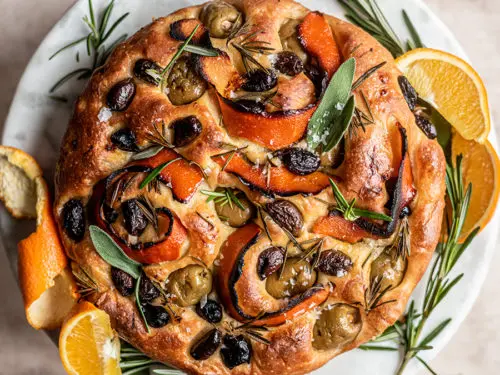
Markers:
<point>86,158</point>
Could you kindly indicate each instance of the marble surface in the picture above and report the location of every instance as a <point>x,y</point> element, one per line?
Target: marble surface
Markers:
<point>23,25</point>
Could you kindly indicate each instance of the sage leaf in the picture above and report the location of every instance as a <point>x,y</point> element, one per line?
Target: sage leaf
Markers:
<point>443,126</point>
<point>340,125</point>
<point>113,254</point>
<point>148,153</point>
<point>331,106</point>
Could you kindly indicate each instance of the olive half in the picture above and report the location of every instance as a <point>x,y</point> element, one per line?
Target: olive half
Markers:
<point>337,326</point>
<point>286,215</point>
<point>389,269</point>
<point>221,18</point>
<point>235,213</point>
<point>74,220</point>
<point>297,276</point>
<point>184,84</point>
<point>189,284</point>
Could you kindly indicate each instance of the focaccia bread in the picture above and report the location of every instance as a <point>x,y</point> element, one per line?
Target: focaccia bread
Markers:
<point>200,171</point>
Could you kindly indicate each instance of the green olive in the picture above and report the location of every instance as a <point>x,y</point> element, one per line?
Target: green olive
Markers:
<point>184,84</point>
<point>336,327</point>
<point>189,284</point>
<point>390,269</point>
<point>297,277</point>
<point>220,18</point>
<point>231,212</point>
<point>289,40</point>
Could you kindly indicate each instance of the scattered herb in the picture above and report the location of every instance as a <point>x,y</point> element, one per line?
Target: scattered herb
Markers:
<point>181,49</point>
<point>368,15</point>
<point>375,293</point>
<point>202,51</point>
<point>99,34</point>
<point>367,75</point>
<point>133,361</point>
<point>138,303</point>
<point>113,254</point>
<point>350,212</point>
<point>86,285</point>
<point>155,172</point>
<point>340,125</point>
<point>331,106</point>
<point>148,153</point>
<point>402,244</point>
<point>249,46</point>
<point>227,196</point>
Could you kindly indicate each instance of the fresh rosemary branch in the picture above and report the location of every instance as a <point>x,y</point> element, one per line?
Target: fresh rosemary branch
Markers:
<point>350,212</point>
<point>99,34</point>
<point>134,362</point>
<point>227,196</point>
<point>368,15</point>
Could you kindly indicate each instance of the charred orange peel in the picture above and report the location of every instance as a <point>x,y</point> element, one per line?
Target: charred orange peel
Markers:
<point>46,283</point>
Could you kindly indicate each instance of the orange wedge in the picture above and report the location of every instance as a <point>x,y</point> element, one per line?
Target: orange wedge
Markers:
<point>87,343</point>
<point>481,168</point>
<point>453,87</point>
<point>46,283</point>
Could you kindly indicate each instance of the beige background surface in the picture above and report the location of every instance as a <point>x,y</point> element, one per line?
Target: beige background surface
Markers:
<point>475,348</point>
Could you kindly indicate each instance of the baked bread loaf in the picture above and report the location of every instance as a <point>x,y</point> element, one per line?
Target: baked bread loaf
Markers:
<point>199,170</point>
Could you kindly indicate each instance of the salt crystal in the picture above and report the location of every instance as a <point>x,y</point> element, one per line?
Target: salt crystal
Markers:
<point>339,106</point>
<point>104,114</point>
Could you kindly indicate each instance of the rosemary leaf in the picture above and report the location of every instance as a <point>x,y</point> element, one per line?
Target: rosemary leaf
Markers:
<point>108,249</point>
<point>367,75</point>
<point>330,108</point>
<point>72,44</point>
<point>378,348</point>
<point>138,302</point>
<point>416,40</point>
<point>197,50</point>
<point>155,172</point>
<point>148,153</point>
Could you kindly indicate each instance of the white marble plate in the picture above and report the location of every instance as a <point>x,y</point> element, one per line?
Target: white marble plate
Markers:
<point>36,124</point>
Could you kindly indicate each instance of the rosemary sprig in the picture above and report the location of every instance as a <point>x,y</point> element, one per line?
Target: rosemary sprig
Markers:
<point>350,212</point>
<point>138,303</point>
<point>155,172</point>
<point>86,285</point>
<point>99,34</point>
<point>374,294</point>
<point>368,15</point>
<point>182,47</point>
<point>222,198</point>
<point>133,362</point>
<point>249,46</point>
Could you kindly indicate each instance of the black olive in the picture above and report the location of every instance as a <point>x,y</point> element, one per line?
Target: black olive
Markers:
<point>206,346</point>
<point>286,215</point>
<point>406,211</point>
<point>74,219</point>
<point>426,126</point>
<point>288,63</point>
<point>147,70</point>
<point>134,218</point>
<point>270,261</point>
<point>110,214</point>
<point>211,311</point>
<point>156,316</point>
<point>259,80</point>
<point>147,290</point>
<point>409,92</point>
<point>334,263</point>
<point>318,77</point>
<point>124,282</point>
<point>300,161</point>
<point>125,140</point>
<point>186,130</point>
<point>120,96</point>
<point>236,351</point>
<point>250,106</point>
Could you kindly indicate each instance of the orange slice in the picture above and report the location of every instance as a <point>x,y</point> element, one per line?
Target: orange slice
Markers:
<point>46,284</point>
<point>87,343</point>
<point>481,168</point>
<point>453,87</point>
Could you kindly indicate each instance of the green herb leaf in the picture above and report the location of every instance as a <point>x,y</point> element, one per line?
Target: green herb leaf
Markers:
<point>340,125</point>
<point>148,153</point>
<point>331,106</point>
<point>202,51</point>
<point>155,172</point>
<point>176,56</point>
<point>113,254</point>
<point>138,302</point>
